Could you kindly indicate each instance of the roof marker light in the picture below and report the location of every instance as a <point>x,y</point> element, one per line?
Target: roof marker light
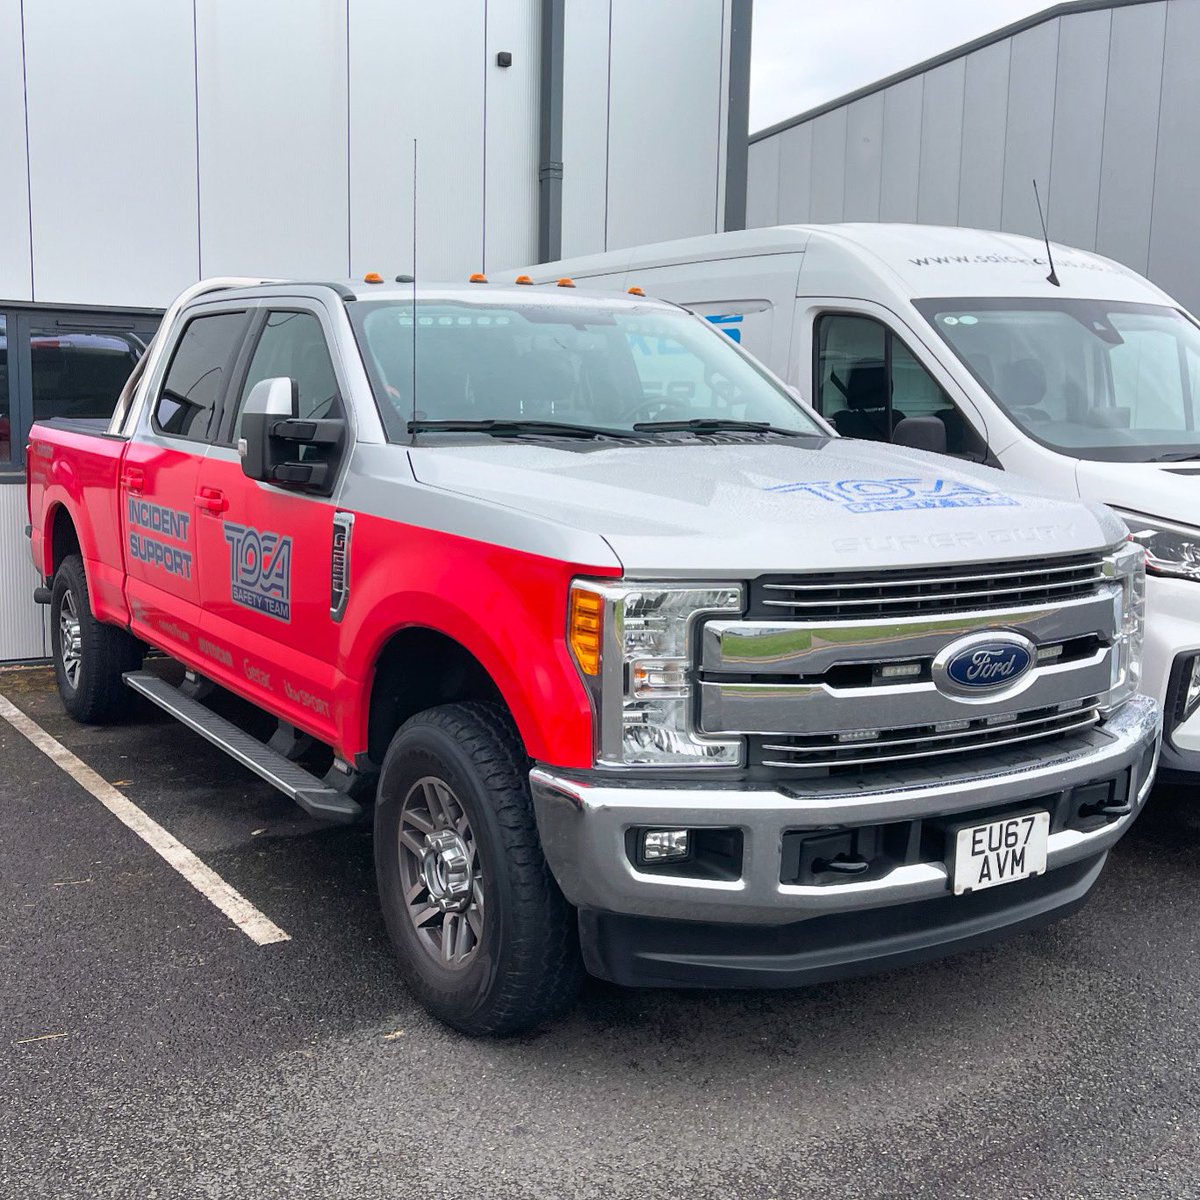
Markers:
<point>635,291</point>
<point>372,277</point>
<point>477,277</point>
<point>523,279</point>
<point>565,282</point>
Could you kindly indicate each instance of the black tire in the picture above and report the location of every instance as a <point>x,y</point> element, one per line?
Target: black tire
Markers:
<point>89,671</point>
<point>521,964</point>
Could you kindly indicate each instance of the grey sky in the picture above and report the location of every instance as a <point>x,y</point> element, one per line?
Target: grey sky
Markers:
<point>808,51</point>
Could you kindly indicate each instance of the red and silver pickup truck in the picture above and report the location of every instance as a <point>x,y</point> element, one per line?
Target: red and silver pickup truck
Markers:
<point>643,668</point>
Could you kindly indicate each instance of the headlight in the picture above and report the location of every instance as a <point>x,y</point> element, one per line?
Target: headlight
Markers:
<point>1126,566</point>
<point>634,646</point>
<point>1170,549</point>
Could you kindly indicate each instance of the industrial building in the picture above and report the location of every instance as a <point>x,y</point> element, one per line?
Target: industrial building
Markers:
<point>145,144</point>
<point>1097,100</point>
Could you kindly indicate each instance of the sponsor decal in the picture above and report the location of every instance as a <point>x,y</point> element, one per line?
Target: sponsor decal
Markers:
<point>153,551</point>
<point>306,698</point>
<point>952,260</point>
<point>260,570</point>
<point>214,651</point>
<point>256,674</point>
<point>896,495</point>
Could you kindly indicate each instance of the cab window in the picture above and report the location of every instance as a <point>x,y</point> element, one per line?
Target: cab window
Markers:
<point>196,379</point>
<point>292,346</point>
<point>867,381</point>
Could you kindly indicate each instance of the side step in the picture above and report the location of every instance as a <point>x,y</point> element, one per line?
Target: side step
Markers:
<point>317,799</point>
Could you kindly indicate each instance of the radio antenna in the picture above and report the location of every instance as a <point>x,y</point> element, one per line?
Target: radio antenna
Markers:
<point>414,286</point>
<point>1052,277</point>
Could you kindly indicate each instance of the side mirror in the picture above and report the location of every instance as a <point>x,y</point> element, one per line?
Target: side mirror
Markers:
<point>920,433</point>
<point>272,434</point>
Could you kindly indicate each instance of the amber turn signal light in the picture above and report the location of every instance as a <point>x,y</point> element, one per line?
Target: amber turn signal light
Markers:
<point>584,629</point>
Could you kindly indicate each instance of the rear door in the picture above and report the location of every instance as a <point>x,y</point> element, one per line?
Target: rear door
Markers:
<point>159,478</point>
<point>267,551</point>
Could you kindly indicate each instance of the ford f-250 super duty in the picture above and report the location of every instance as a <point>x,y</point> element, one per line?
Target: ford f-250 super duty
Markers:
<point>646,670</point>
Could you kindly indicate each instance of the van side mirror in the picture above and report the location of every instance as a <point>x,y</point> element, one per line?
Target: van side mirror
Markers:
<point>920,433</point>
<point>273,434</point>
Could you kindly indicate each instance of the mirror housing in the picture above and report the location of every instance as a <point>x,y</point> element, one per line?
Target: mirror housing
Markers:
<point>272,434</point>
<point>920,433</point>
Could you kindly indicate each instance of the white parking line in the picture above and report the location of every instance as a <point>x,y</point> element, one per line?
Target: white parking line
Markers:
<point>254,924</point>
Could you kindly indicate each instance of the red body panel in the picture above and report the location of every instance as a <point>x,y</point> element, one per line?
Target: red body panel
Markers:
<point>507,607</point>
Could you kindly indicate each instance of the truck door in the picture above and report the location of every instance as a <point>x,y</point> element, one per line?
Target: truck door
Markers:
<point>158,481</point>
<point>267,551</point>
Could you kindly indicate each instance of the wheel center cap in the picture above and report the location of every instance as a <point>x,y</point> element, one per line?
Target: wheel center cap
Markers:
<point>446,870</point>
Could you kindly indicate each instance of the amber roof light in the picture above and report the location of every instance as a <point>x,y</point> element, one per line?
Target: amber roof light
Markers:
<point>565,282</point>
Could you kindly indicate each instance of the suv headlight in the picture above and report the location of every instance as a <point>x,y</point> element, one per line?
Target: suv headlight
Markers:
<point>1126,566</point>
<point>1170,549</point>
<point>634,645</point>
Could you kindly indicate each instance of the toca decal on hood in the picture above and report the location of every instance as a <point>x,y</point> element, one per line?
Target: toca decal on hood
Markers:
<point>684,508</point>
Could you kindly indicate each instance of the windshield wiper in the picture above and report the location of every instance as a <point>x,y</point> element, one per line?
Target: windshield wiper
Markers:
<point>1187,456</point>
<point>514,428</point>
<point>718,425</point>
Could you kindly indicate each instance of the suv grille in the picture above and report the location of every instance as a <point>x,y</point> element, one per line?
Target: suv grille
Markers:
<point>922,741</point>
<point>906,593</point>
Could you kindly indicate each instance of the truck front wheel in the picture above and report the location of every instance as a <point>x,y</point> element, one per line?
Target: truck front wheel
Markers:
<point>485,938</point>
<point>89,656</point>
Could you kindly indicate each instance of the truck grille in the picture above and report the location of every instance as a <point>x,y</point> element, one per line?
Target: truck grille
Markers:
<point>922,741</point>
<point>913,592</point>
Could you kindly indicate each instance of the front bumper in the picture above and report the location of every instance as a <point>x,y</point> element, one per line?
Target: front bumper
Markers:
<point>1172,637</point>
<point>583,818</point>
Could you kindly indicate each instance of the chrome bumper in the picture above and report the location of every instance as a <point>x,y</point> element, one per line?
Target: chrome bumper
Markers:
<point>583,818</point>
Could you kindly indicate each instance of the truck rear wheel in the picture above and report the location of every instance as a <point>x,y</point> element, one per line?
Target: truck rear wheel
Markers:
<point>89,656</point>
<point>485,938</point>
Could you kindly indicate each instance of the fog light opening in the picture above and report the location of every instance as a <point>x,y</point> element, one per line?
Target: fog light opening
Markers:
<point>665,845</point>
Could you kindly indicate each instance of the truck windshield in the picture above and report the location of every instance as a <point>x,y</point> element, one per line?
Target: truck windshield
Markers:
<point>1093,378</point>
<point>605,368</point>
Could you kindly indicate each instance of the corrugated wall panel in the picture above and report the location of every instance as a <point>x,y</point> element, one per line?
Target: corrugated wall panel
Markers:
<point>795,175</point>
<point>112,150</point>
<point>399,60</point>
<point>1135,59</point>
<point>1079,107</point>
<point>864,146</point>
<point>985,118</point>
<point>941,144</point>
<point>272,132</point>
<point>1174,244</point>
<point>663,186</point>
<point>828,166</point>
<point>901,150</point>
<point>585,127</point>
<point>22,623</point>
<point>15,270</point>
<point>762,183</point>
<point>1030,129</point>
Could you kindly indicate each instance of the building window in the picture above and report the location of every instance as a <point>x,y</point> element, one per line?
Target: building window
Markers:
<point>5,403</point>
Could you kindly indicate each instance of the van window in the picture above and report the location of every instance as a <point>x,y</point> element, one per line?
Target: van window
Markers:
<point>197,376</point>
<point>868,380</point>
<point>1098,379</point>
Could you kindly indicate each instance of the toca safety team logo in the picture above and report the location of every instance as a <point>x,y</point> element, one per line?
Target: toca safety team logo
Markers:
<point>260,570</point>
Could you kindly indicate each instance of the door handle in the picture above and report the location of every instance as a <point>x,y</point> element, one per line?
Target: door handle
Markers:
<point>134,479</point>
<point>212,500</point>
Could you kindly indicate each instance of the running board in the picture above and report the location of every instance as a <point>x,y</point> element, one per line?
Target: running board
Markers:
<point>317,799</point>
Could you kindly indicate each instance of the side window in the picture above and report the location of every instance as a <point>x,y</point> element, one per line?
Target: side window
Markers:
<point>292,345</point>
<point>198,374</point>
<point>868,380</point>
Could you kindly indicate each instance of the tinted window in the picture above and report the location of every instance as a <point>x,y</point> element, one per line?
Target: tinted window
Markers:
<point>5,410</point>
<point>198,374</point>
<point>292,345</point>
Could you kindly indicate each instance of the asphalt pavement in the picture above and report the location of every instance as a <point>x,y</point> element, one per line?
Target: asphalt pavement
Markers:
<point>149,1048</point>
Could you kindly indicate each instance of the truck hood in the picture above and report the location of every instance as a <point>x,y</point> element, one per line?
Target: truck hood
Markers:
<point>738,508</point>
<point>1170,491</point>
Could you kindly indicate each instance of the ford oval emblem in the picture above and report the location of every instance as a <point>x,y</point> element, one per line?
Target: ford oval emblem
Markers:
<point>982,664</point>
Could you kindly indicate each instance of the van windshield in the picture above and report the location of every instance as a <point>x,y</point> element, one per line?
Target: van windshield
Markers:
<point>1095,379</point>
<point>605,368</point>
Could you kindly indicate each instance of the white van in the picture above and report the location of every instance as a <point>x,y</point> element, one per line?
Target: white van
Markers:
<point>1090,384</point>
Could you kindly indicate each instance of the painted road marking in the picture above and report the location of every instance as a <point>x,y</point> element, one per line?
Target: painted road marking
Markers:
<point>254,924</point>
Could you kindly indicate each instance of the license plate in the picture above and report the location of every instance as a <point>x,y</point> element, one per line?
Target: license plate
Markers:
<point>1000,852</point>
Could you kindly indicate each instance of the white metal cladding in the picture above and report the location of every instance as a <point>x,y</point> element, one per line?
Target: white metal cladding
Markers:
<point>762,188</point>
<point>1101,105</point>
<point>271,116</point>
<point>15,268</point>
<point>22,623</point>
<point>102,113</point>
